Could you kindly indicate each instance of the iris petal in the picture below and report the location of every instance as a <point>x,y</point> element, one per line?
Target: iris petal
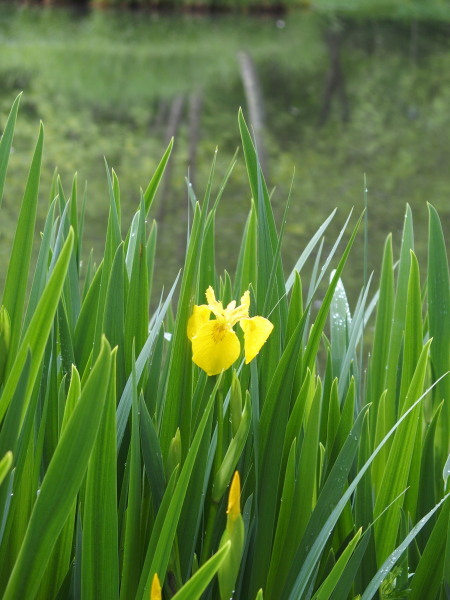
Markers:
<point>256,331</point>
<point>215,347</point>
<point>241,311</point>
<point>214,305</point>
<point>199,317</point>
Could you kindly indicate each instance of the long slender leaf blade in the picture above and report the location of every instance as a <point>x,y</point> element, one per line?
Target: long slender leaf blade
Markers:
<point>247,262</point>
<point>308,468</point>
<point>328,508</point>
<point>113,317</point>
<point>357,325</point>
<point>6,143</point>
<point>124,407</point>
<point>390,561</point>
<point>438,281</point>
<point>428,575</point>
<point>398,466</point>
<point>317,328</point>
<point>100,554</point>
<point>328,586</point>
<point>132,547</point>
<point>36,336</point>
<point>340,320</point>
<point>383,325</point>
<point>84,333</point>
<point>206,275</point>
<point>113,239</point>
<point>163,534</point>
<point>256,179</point>
<point>318,541</point>
<point>152,456</point>
<point>40,272</point>
<point>17,276</point>
<point>136,313</point>
<point>398,322</point>
<point>192,513</point>
<point>61,483</point>
<point>277,563</point>
<point>273,422</point>
<point>267,238</point>
<point>307,251</point>
<point>150,192</point>
<point>413,336</point>
<point>347,580</point>
<point>428,489</point>
<point>179,376</point>
<point>5,465</point>
<point>194,588</point>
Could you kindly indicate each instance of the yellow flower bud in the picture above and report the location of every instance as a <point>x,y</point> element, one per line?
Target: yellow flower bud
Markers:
<point>234,499</point>
<point>155,593</point>
<point>235,534</point>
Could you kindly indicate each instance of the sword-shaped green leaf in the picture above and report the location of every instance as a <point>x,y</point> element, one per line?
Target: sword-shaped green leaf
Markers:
<point>61,482</point>
<point>6,143</point>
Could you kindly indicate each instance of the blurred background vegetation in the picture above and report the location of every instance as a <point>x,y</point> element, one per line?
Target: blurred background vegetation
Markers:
<point>430,8</point>
<point>337,91</point>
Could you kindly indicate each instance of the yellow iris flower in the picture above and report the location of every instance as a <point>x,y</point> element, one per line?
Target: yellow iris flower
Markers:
<point>215,346</point>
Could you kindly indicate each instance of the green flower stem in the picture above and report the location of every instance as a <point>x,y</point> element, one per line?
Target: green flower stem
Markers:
<point>206,550</point>
<point>213,506</point>
<point>219,448</point>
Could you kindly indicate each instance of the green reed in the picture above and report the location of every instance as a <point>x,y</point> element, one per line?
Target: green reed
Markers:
<point>116,450</point>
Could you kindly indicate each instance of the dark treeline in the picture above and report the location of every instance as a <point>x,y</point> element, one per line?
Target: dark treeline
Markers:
<point>266,6</point>
<point>432,10</point>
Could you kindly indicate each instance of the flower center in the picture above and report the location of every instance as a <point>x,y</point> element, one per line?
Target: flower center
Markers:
<point>219,331</point>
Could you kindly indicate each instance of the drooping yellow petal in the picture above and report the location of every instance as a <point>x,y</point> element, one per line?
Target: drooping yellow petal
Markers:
<point>200,315</point>
<point>215,347</point>
<point>256,331</point>
<point>155,592</point>
<point>234,498</point>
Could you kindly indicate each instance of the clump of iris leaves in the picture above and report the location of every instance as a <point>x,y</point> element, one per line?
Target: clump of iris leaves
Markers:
<point>117,451</point>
